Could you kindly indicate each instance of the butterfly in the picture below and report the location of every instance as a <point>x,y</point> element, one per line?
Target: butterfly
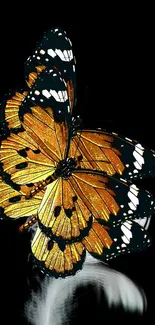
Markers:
<point>75,183</point>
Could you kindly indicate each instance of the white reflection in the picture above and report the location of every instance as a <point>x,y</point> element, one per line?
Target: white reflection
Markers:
<point>54,303</point>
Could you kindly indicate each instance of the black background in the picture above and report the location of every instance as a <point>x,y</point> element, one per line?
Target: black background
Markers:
<point>115,91</point>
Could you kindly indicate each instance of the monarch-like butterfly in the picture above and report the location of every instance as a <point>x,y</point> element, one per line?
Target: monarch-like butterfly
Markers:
<point>73,182</point>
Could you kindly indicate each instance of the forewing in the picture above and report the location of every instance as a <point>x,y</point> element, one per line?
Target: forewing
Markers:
<point>108,152</point>
<point>54,50</point>
<point>111,200</point>
<point>128,237</point>
<point>22,160</point>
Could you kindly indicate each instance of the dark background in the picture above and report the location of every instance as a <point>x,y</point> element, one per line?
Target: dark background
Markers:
<point>115,91</point>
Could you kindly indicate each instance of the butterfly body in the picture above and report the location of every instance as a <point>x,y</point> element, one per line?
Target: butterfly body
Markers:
<point>65,167</point>
<point>72,182</point>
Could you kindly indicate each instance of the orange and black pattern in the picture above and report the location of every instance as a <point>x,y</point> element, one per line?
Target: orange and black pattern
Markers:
<point>72,182</point>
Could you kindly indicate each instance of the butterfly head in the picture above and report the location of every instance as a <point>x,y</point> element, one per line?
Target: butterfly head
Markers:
<point>65,167</point>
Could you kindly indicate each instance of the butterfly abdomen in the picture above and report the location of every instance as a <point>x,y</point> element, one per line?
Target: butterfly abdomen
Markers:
<point>29,223</point>
<point>42,185</point>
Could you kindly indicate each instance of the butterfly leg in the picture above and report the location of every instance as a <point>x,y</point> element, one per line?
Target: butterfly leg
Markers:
<point>29,223</point>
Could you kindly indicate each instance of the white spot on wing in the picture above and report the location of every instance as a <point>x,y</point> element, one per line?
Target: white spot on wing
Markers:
<point>125,227</point>
<point>139,167</point>
<point>138,155</point>
<point>37,92</point>
<point>60,96</point>
<point>65,55</point>
<point>126,240</point>
<point>132,206</point>
<point>132,194</point>
<point>42,52</point>
<point>46,93</point>
<point>51,53</point>
<point>124,180</point>
<point>140,151</point>
<point>128,139</point>
<point>138,145</point>
<point>133,186</point>
<point>127,224</point>
<point>138,158</point>
<point>134,189</point>
<point>144,222</point>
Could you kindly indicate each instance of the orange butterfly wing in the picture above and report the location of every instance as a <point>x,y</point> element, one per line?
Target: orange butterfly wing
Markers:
<point>95,151</point>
